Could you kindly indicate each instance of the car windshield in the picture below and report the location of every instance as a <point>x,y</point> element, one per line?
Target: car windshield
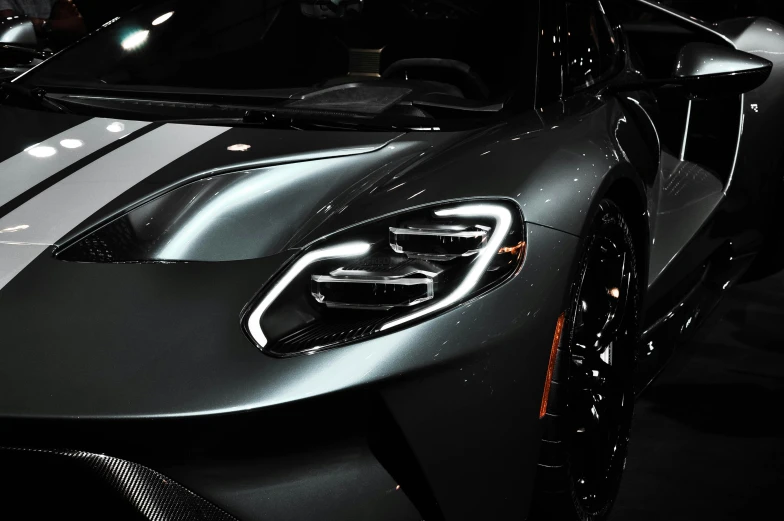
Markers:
<point>355,55</point>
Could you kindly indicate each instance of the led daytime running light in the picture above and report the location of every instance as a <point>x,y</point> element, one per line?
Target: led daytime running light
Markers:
<point>352,249</point>
<point>503,223</point>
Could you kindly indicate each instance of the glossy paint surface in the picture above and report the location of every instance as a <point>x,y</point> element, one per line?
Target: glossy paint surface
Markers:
<point>699,59</point>
<point>208,367</point>
<point>39,161</point>
<point>18,31</point>
<point>217,350</point>
<point>256,213</point>
<point>97,348</point>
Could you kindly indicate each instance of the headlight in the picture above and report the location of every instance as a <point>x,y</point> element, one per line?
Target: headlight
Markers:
<point>386,274</point>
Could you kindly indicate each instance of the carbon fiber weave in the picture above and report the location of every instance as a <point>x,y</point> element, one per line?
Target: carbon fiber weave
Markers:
<point>152,494</point>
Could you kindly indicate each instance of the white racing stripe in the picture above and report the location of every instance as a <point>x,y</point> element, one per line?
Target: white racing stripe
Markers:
<point>41,161</point>
<point>38,223</point>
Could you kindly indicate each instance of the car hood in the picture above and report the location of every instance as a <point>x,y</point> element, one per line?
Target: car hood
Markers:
<point>58,185</point>
<point>212,193</point>
<point>102,339</point>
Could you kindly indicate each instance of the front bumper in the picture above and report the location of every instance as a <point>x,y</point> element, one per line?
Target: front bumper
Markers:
<point>447,410</point>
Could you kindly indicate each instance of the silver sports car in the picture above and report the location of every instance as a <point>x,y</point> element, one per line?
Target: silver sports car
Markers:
<point>381,260</point>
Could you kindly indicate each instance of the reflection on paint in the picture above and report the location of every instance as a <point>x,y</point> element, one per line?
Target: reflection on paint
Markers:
<point>163,18</point>
<point>245,191</point>
<point>134,40</point>
<point>71,143</point>
<point>42,151</point>
<point>13,229</point>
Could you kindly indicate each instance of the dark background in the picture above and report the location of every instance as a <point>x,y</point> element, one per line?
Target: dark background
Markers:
<point>707,441</point>
<point>96,12</point>
<point>715,10</point>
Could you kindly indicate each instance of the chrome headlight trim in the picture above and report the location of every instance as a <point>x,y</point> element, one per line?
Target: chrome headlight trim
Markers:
<point>282,323</point>
<point>503,221</point>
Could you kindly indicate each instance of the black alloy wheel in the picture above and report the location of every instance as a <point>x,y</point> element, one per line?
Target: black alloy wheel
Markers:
<point>591,400</point>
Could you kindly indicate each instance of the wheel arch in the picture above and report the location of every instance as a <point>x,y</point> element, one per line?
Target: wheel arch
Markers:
<point>625,188</point>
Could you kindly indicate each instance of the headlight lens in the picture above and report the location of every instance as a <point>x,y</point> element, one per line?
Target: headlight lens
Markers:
<point>385,275</point>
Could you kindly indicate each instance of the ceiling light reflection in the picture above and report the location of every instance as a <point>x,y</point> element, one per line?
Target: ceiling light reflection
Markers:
<point>71,143</point>
<point>116,127</point>
<point>239,147</point>
<point>163,18</point>
<point>134,40</point>
<point>42,151</point>
<point>13,229</point>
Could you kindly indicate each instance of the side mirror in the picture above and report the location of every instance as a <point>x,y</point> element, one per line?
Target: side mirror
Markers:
<point>707,70</point>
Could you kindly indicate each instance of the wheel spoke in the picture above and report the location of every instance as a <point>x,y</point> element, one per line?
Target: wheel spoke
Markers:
<point>599,357</point>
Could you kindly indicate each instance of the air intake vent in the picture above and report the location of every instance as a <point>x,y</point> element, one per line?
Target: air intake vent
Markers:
<point>323,333</point>
<point>72,484</point>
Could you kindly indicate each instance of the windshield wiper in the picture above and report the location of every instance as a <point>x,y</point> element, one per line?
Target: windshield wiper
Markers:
<point>457,113</point>
<point>446,102</point>
<point>26,51</point>
<point>315,120</point>
<point>36,95</point>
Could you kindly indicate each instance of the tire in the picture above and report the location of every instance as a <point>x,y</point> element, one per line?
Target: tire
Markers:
<point>588,413</point>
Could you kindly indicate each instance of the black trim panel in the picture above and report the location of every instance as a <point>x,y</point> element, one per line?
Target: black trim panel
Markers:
<point>70,491</point>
